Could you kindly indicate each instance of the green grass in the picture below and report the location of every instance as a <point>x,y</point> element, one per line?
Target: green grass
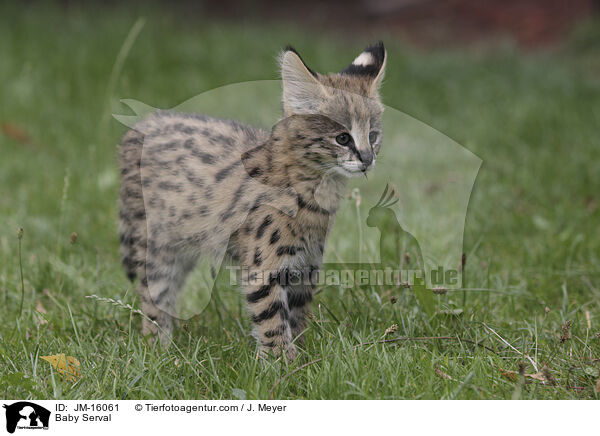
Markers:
<point>531,235</point>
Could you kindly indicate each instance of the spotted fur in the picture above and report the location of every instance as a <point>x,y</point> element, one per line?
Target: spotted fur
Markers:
<point>192,184</point>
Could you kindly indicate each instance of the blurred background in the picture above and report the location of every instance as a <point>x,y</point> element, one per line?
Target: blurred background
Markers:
<point>530,23</point>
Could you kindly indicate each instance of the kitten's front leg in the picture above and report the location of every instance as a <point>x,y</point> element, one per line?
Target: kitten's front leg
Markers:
<point>302,288</point>
<point>299,299</point>
<point>267,300</point>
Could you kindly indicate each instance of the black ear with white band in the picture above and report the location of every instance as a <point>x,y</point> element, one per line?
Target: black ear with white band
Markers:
<point>369,63</point>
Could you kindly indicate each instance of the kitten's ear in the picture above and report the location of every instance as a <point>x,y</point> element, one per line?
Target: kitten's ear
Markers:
<point>370,64</point>
<point>302,90</point>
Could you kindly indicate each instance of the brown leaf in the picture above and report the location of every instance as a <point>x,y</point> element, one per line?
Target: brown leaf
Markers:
<point>566,332</point>
<point>40,308</point>
<point>590,203</point>
<point>16,133</point>
<point>514,376</point>
<point>442,374</point>
<point>510,375</point>
<point>537,376</point>
<point>597,387</point>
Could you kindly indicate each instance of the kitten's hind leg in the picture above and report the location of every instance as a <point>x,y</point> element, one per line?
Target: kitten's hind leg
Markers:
<point>163,278</point>
<point>155,322</point>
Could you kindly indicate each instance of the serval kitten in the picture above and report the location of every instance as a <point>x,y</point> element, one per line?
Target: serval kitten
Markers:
<point>202,183</point>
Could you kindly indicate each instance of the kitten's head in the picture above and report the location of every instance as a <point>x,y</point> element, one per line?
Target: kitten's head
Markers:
<point>345,106</point>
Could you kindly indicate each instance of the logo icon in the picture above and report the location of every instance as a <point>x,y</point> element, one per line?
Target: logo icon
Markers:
<point>26,415</point>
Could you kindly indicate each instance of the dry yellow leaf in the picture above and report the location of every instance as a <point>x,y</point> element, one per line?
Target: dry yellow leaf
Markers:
<point>67,366</point>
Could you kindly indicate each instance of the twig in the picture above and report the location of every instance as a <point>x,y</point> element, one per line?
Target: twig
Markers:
<point>507,343</point>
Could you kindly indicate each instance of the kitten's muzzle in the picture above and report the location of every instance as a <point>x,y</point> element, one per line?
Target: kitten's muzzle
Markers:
<point>366,159</point>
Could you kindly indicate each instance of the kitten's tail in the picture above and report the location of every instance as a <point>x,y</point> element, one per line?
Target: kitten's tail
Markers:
<point>132,212</point>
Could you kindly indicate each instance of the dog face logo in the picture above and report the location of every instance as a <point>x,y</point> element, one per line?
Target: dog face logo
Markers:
<point>26,415</point>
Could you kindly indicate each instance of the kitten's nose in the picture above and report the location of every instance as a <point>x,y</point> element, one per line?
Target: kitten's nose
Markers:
<point>366,157</point>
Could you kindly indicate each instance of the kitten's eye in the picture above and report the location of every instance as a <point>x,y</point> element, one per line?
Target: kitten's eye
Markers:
<point>373,137</point>
<point>343,138</point>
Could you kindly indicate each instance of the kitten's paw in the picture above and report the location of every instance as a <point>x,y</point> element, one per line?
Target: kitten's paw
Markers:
<point>156,332</point>
<point>298,334</point>
<point>290,350</point>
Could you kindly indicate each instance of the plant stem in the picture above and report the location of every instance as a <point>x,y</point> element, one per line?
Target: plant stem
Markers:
<point>21,271</point>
